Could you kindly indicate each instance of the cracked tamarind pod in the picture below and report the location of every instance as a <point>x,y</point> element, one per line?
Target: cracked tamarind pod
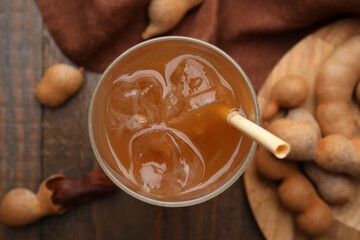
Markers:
<point>56,195</point>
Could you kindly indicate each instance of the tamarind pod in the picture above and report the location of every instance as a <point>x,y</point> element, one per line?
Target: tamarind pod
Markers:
<point>56,195</point>
<point>338,154</point>
<point>288,92</point>
<point>334,88</point>
<point>301,137</point>
<point>272,168</point>
<point>334,188</point>
<point>296,193</point>
<point>271,109</point>
<point>315,220</point>
<point>166,14</point>
<point>68,192</point>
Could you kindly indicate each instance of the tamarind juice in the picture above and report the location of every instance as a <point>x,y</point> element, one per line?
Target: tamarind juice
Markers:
<point>164,124</point>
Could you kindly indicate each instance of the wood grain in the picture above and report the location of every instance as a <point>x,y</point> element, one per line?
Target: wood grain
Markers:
<point>66,149</point>
<point>304,60</point>
<point>37,141</point>
<point>20,113</point>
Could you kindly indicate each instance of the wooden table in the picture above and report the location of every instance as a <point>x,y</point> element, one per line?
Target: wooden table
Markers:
<point>37,141</point>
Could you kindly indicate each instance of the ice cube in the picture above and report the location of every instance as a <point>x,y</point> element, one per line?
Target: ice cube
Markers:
<point>165,161</point>
<point>135,100</point>
<point>195,83</point>
<point>137,122</point>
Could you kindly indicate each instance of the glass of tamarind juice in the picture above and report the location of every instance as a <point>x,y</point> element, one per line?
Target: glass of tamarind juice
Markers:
<point>157,123</point>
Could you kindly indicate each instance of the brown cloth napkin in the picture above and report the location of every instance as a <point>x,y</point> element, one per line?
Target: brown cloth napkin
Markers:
<point>256,33</point>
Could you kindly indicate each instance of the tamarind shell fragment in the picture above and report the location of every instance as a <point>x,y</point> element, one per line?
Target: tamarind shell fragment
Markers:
<point>56,195</point>
<point>68,192</point>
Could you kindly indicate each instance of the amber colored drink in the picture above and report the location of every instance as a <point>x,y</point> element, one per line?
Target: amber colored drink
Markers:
<point>164,125</point>
<point>157,122</point>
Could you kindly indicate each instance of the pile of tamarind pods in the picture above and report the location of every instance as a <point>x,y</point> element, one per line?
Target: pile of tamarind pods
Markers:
<point>325,149</point>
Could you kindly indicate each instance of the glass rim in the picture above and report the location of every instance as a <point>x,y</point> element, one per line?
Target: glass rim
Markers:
<point>149,200</point>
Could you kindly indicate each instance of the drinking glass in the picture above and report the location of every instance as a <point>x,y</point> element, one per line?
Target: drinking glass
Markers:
<point>152,49</point>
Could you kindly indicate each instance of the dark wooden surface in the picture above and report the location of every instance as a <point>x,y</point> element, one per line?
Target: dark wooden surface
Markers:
<point>37,141</point>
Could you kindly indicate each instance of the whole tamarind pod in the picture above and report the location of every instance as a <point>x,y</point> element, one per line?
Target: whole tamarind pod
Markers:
<point>315,220</point>
<point>294,186</point>
<point>312,215</point>
<point>302,115</point>
<point>301,137</point>
<point>272,168</point>
<point>334,188</point>
<point>336,153</point>
<point>334,87</point>
<point>166,14</point>
<point>58,84</point>
<point>289,92</point>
